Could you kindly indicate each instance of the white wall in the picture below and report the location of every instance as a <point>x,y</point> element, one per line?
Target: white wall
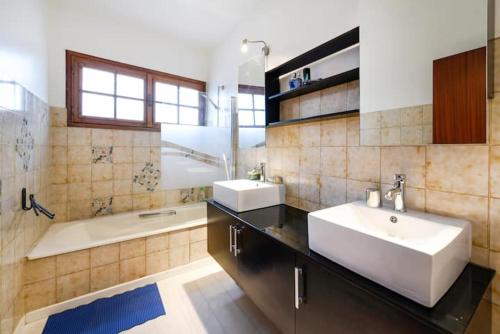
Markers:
<point>290,27</point>
<point>23,43</point>
<point>399,40</point>
<point>89,32</point>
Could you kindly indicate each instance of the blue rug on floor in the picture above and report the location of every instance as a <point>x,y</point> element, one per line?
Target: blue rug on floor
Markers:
<point>109,315</point>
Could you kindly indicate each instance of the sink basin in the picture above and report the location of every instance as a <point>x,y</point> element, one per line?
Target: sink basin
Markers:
<point>245,195</point>
<point>419,256</point>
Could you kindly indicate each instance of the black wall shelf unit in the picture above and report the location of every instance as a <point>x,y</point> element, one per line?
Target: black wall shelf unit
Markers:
<point>273,94</point>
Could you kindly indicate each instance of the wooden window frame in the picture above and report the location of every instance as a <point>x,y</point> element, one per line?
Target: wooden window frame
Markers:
<point>75,61</point>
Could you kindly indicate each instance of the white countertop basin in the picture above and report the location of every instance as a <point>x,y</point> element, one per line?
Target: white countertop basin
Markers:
<point>420,256</point>
<point>245,195</point>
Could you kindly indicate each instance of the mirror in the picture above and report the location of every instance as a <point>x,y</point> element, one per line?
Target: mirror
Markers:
<point>400,87</point>
<point>251,103</point>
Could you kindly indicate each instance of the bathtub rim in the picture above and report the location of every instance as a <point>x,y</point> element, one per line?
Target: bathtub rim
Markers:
<point>183,226</point>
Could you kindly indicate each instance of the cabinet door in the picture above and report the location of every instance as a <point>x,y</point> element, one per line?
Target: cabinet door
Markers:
<point>219,225</point>
<point>333,305</point>
<point>266,275</point>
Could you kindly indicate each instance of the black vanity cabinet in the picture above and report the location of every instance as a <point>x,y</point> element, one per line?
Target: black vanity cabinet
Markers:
<point>266,275</point>
<point>332,304</point>
<point>220,227</point>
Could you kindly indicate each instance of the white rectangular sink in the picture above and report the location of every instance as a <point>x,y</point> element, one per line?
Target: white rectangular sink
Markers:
<point>415,254</point>
<point>245,195</point>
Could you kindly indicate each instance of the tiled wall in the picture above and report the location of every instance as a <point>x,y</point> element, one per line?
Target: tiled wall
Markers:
<point>24,162</point>
<point>323,165</point>
<point>58,278</point>
<point>100,171</point>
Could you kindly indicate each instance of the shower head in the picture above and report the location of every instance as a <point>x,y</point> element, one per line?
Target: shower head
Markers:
<point>210,101</point>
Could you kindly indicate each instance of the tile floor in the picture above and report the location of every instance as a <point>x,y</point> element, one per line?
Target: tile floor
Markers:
<point>202,300</point>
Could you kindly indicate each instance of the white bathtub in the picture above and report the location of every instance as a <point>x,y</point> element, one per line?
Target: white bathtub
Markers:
<point>82,234</point>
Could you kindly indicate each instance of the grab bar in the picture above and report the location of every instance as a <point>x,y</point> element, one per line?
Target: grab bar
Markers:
<point>160,213</point>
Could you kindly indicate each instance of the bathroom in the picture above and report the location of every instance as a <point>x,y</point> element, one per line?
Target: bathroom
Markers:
<point>249,166</point>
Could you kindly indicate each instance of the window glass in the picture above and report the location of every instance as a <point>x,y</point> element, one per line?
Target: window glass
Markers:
<point>189,97</point>
<point>245,101</point>
<point>98,81</point>
<point>129,109</point>
<point>165,93</point>
<point>165,113</point>
<point>260,117</point>
<point>129,86</point>
<point>245,117</point>
<point>258,101</point>
<point>97,105</point>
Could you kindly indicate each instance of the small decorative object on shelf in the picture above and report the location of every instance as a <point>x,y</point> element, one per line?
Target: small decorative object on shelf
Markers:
<point>306,75</point>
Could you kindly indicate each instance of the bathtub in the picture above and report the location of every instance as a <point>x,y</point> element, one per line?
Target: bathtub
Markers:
<point>68,237</point>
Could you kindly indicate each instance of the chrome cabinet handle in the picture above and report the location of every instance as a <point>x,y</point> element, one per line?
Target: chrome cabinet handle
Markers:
<point>299,299</point>
<point>231,238</point>
<point>236,231</point>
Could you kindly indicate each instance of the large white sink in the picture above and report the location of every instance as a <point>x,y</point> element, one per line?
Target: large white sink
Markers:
<point>419,256</point>
<point>245,195</point>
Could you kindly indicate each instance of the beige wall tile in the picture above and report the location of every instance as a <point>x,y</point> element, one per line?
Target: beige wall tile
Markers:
<point>40,269</point>
<point>122,154</point>
<point>141,201</point>
<point>353,131</point>
<point>480,256</point>
<point>274,137</point>
<point>104,276</point>
<point>291,160</point>
<point>198,250</point>
<point>156,243</point>
<point>102,137</point>
<point>390,118</point>
<point>411,135</point>
<point>370,137</point>
<point>411,116</point>
<point>79,173</point>
<point>155,139</point>
<point>58,136</point>
<point>308,206</point>
<point>363,163</point>
<point>353,95</point>
<point>122,203</point>
<point>39,294</point>
<point>58,174</point>
<point>178,256</point>
<point>122,138</point>
<point>73,262</point>
<point>59,155</point>
<point>494,258</point>
<point>274,159</point>
<point>310,158</point>
<point>132,268</point>
<point>178,238</point>
<point>102,172</point>
<point>494,219</point>
<point>291,136</point>
<point>409,160</point>
<point>141,138</point>
<point>57,193</point>
<point>79,136</point>
<point>309,187</point>
<point>291,181</point>
<point>333,161</point>
<point>427,114</point>
<point>141,154</point>
<point>132,248</point>
<point>102,255</point>
<point>333,99</point>
<point>73,285</point>
<point>495,171</point>
<point>122,171</point>
<point>333,191</point>
<point>390,136</point>
<point>310,105</point>
<point>310,135</point>
<point>334,132</point>
<point>427,134</point>
<point>79,191</point>
<point>79,155</point>
<point>58,117</point>
<point>454,168</point>
<point>471,208</point>
<point>79,210</point>
<point>198,234</point>
<point>122,187</point>
<point>157,262</point>
<point>356,190</point>
<point>495,118</point>
<point>290,109</point>
<point>370,120</point>
<point>102,189</point>
<point>158,199</point>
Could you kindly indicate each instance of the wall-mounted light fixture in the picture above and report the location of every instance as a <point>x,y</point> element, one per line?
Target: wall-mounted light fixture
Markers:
<point>245,42</point>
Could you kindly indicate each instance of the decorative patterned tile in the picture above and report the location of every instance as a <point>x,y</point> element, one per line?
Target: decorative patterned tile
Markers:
<point>102,206</point>
<point>148,177</point>
<point>25,144</point>
<point>102,154</point>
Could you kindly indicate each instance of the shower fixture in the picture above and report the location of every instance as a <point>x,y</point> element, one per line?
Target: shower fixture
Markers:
<point>245,42</point>
<point>215,105</point>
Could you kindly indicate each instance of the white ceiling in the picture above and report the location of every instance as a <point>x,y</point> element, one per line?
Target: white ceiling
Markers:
<point>200,22</point>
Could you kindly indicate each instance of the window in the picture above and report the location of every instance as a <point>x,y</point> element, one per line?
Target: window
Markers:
<point>251,106</point>
<point>108,94</point>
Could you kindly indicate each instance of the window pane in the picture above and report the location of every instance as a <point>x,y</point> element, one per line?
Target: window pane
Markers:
<point>258,101</point>
<point>98,81</point>
<point>245,101</point>
<point>98,105</point>
<point>188,97</point>
<point>245,117</point>
<point>188,116</point>
<point>165,93</point>
<point>129,86</point>
<point>130,109</point>
<point>165,113</point>
<point>260,117</point>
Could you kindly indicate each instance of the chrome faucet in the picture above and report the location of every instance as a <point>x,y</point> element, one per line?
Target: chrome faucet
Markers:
<point>397,193</point>
<point>262,172</point>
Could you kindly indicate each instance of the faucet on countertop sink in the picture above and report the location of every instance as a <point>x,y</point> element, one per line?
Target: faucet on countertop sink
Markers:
<point>397,193</point>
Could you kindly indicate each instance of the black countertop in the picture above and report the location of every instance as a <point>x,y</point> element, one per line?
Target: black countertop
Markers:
<point>451,314</point>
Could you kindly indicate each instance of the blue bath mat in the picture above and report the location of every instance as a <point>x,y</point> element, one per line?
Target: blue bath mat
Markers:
<point>109,315</point>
